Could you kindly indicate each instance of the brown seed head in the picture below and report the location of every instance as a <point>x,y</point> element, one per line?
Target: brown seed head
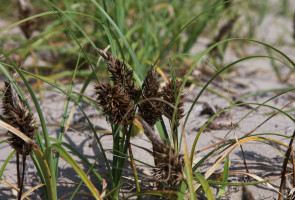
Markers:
<point>18,116</point>
<point>151,110</point>
<point>121,75</point>
<point>169,164</point>
<point>170,96</point>
<point>115,104</point>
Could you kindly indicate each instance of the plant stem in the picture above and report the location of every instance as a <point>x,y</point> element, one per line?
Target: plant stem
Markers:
<point>285,166</point>
<point>17,170</point>
<point>23,178</point>
<point>133,163</point>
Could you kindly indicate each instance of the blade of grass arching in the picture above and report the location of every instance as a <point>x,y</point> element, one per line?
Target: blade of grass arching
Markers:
<point>77,168</point>
<point>77,153</point>
<point>234,105</point>
<point>214,116</point>
<point>4,141</point>
<point>17,132</point>
<point>53,7</point>
<point>80,184</point>
<point>263,104</point>
<point>275,67</point>
<point>84,114</point>
<point>62,128</point>
<point>263,92</point>
<point>224,177</point>
<point>107,30</point>
<point>259,180</point>
<point>24,20</point>
<point>48,181</point>
<point>205,186</point>
<point>127,156</point>
<point>5,163</point>
<point>27,193</point>
<point>284,167</point>
<point>183,28</point>
<point>41,117</point>
<point>138,69</point>
<point>218,162</point>
<point>85,85</point>
<point>197,83</point>
<point>203,20</point>
<point>216,75</point>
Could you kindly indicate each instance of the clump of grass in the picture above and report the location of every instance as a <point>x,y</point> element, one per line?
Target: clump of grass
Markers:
<point>124,100</point>
<point>117,103</point>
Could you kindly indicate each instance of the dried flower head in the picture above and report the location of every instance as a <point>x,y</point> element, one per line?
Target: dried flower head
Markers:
<point>25,11</point>
<point>168,164</point>
<point>170,96</point>
<point>151,110</point>
<point>121,75</point>
<point>18,116</point>
<point>115,103</point>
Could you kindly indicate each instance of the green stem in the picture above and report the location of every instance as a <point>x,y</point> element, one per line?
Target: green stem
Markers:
<point>133,163</point>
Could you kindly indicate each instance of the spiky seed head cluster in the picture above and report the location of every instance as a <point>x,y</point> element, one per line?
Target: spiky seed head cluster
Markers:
<point>117,100</point>
<point>170,96</point>
<point>169,165</point>
<point>115,103</point>
<point>18,116</point>
<point>151,109</point>
<point>120,74</point>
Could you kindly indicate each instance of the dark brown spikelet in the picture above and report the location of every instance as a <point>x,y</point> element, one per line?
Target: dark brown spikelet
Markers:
<point>18,116</point>
<point>151,110</point>
<point>25,10</point>
<point>169,164</point>
<point>115,104</point>
<point>169,96</point>
<point>121,75</point>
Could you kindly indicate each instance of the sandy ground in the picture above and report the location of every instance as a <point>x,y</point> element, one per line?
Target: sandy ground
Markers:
<point>250,76</point>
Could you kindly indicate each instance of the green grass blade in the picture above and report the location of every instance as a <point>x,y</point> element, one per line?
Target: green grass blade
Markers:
<point>5,163</point>
<point>224,177</point>
<point>62,128</point>
<point>50,188</point>
<point>205,186</point>
<point>77,168</point>
<point>138,69</point>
